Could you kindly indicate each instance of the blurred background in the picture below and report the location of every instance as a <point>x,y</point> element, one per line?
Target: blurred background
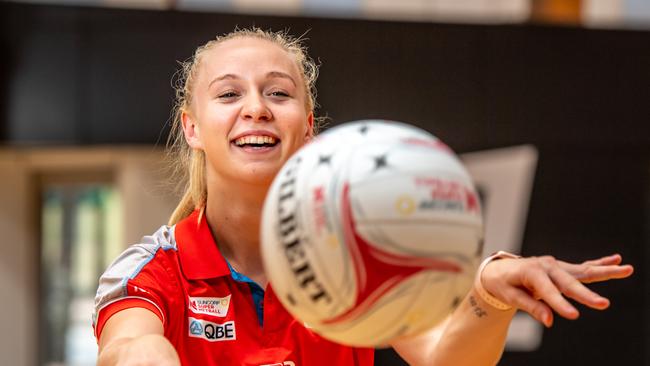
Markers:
<point>548,101</point>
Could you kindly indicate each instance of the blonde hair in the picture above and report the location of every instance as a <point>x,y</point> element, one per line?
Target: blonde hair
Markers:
<point>188,164</point>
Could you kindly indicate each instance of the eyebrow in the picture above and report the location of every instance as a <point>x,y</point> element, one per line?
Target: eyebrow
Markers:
<point>269,75</point>
<point>279,74</point>
<point>223,77</point>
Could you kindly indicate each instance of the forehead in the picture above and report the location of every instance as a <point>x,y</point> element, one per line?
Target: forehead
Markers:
<point>245,55</point>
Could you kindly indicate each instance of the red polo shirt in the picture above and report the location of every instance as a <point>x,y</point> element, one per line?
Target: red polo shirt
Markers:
<point>211,314</point>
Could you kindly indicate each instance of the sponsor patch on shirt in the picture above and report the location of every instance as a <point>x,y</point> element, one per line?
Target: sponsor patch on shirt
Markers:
<point>217,306</point>
<point>213,332</point>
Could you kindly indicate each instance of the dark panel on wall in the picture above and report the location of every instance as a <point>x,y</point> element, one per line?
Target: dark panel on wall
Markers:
<point>588,201</point>
<point>131,60</point>
<point>42,90</point>
<point>475,86</point>
<point>646,290</point>
<point>86,76</point>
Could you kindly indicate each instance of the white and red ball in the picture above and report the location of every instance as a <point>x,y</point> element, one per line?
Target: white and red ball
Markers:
<point>371,232</point>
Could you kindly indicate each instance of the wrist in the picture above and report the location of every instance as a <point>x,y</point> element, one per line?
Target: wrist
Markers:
<point>485,295</point>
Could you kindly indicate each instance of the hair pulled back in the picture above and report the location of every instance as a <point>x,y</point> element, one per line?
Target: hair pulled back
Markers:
<point>188,164</point>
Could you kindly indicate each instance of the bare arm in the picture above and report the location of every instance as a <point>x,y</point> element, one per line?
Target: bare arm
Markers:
<point>135,337</point>
<point>475,333</point>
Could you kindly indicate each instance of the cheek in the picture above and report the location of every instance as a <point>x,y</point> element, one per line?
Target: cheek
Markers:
<point>299,133</point>
<point>294,134</point>
<point>214,137</point>
<point>298,121</point>
<point>219,118</point>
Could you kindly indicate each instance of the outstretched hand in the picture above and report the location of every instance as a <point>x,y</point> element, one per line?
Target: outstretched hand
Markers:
<point>541,285</point>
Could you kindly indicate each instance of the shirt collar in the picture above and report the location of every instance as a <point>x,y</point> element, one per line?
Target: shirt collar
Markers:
<point>199,255</point>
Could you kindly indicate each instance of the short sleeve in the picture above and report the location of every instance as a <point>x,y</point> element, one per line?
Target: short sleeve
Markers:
<point>140,277</point>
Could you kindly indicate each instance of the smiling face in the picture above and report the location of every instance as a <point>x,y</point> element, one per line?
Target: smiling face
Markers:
<point>248,111</point>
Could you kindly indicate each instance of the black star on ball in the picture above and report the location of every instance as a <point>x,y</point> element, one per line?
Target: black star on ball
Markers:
<point>363,129</point>
<point>380,162</point>
<point>324,159</point>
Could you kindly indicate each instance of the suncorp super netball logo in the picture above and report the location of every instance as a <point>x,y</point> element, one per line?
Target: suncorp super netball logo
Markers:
<point>217,306</point>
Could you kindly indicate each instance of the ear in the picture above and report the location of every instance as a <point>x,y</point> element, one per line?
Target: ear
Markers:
<point>310,127</point>
<point>191,131</point>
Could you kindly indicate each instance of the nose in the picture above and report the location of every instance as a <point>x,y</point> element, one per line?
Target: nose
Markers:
<point>255,108</point>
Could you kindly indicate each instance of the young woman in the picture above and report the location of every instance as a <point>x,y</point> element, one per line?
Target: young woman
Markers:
<point>195,292</point>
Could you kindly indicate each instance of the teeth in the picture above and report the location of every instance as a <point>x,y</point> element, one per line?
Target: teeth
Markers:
<point>255,140</point>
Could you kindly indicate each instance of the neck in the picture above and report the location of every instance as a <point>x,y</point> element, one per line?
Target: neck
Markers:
<point>233,212</point>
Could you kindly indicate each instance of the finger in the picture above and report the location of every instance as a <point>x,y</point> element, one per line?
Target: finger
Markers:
<point>524,301</point>
<point>541,286</point>
<point>598,273</point>
<point>574,289</point>
<point>608,260</point>
<point>604,261</point>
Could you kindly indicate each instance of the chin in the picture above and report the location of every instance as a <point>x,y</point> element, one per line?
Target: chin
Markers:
<point>259,175</point>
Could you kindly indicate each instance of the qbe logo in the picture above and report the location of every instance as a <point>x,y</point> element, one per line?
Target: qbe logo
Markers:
<point>210,331</point>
